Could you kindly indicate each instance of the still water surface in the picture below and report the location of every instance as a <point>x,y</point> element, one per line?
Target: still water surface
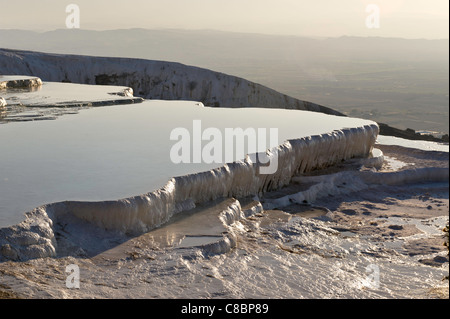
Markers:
<point>114,152</point>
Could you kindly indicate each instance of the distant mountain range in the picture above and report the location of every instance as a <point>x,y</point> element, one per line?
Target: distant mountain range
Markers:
<point>218,50</point>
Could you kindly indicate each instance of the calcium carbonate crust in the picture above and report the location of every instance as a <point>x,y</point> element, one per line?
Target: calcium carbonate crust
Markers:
<point>35,237</point>
<point>158,80</point>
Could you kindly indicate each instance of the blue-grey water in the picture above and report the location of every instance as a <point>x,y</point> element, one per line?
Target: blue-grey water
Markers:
<point>115,152</point>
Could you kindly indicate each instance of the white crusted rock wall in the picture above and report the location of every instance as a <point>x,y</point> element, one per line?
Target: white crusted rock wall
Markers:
<point>152,79</point>
<point>139,214</point>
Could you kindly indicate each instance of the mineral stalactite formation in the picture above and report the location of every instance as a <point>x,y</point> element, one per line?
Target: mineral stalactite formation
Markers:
<point>35,237</point>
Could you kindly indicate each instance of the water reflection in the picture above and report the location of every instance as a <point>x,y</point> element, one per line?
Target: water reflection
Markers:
<point>13,90</point>
<point>120,151</point>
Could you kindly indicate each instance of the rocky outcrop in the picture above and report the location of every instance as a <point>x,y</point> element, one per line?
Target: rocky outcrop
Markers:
<point>32,238</point>
<point>22,82</point>
<point>409,134</point>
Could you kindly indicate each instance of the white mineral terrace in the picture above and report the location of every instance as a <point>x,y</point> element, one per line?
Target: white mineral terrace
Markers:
<point>112,166</point>
<point>24,98</point>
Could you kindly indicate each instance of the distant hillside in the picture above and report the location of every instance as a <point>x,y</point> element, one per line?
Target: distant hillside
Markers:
<point>220,50</point>
<point>151,79</point>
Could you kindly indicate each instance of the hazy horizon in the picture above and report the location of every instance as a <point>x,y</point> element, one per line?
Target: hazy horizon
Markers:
<point>224,31</point>
<point>412,19</point>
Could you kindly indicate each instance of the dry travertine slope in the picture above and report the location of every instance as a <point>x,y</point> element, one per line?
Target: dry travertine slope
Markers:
<point>151,79</point>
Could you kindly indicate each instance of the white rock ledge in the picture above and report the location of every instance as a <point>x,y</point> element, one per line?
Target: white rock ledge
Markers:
<point>19,82</point>
<point>375,159</point>
<point>139,214</point>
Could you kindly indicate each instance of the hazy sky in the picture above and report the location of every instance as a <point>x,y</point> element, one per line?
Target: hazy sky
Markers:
<point>398,18</point>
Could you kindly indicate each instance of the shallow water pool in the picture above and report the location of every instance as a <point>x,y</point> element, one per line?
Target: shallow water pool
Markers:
<point>119,151</point>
